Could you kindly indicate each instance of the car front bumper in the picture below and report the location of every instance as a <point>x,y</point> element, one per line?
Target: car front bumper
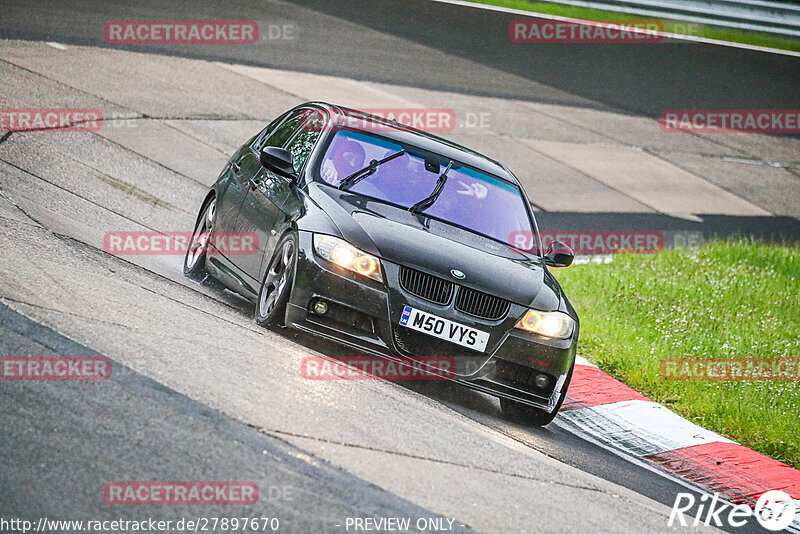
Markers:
<point>364,314</point>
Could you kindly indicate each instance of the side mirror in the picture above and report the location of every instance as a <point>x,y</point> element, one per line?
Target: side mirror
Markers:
<point>278,160</point>
<point>558,254</point>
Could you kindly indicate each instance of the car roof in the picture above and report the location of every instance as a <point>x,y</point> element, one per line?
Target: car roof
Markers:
<point>424,140</point>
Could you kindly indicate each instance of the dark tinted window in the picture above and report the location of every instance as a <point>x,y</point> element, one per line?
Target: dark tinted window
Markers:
<point>266,132</point>
<point>306,137</point>
<point>282,133</point>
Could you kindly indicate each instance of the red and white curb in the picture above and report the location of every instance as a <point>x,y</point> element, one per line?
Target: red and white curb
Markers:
<point>618,416</point>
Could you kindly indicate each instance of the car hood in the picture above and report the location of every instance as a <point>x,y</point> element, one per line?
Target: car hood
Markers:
<point>434,247</point>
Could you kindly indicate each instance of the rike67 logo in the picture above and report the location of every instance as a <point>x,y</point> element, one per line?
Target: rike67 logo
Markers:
<point>775,510</point>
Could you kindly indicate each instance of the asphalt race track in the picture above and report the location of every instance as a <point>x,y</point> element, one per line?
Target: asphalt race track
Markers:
<point>348,39</point>
<point>187,438</point>
<point>604,91</point>
<point>198,392</point>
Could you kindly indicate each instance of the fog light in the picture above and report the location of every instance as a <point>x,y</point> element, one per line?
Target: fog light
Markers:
<point>320,307</point>
<point>542,381</point>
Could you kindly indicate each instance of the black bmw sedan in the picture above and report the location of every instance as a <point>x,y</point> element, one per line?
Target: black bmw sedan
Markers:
<point>399,244</point>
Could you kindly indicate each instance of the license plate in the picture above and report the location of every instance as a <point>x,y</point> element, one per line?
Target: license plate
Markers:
<point>444,329</point>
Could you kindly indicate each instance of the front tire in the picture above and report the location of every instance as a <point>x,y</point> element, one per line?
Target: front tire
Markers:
<point>277,285</point>
<point>524,413</point>
<point>194,264</point>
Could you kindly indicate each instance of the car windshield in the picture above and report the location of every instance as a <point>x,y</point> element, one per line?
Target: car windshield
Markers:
<point>470,199</point>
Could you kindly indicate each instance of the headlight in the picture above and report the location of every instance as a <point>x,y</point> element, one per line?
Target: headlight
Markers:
<point>557,325</point>
<point>344,254</point>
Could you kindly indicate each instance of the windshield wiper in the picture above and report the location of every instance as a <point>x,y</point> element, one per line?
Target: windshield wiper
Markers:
<point>370,169</point>
<point>428,202</point>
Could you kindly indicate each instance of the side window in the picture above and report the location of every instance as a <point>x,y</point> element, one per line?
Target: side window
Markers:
<point>304,140</point>
<point>283,133</point>
<point>266,132</point>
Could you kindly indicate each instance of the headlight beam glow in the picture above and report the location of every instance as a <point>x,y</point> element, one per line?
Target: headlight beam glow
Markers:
<point>345,255</point>
<point>556,325</point>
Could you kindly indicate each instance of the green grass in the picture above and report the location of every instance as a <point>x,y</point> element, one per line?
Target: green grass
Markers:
<point>725,299</point>
<point>709,32</point>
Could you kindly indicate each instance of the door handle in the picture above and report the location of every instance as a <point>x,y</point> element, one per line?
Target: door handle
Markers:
<point>253,184</point>
<point>236,167</point>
